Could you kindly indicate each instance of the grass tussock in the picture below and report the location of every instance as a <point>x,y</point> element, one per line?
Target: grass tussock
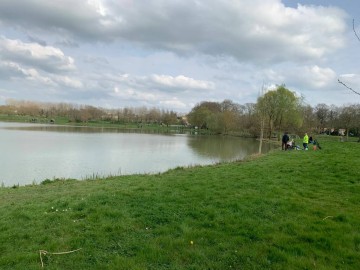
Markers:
<point>284,210</point>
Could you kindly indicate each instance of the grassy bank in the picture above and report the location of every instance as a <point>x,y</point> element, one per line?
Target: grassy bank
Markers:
<point>285,210</point>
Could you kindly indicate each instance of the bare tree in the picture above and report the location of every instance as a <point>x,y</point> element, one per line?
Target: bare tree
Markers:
<point>348,87</point>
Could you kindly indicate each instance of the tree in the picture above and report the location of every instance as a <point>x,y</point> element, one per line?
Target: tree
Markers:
<point>280,108</point>
<point>153,116</point>
<point>309,118</point>
<point>169,118</point>
<point>322,113</point>
<point>201,114</point>
<point>229,115</point>
<point>248,117</point>
<point>333,116</point>
<point>220,117</point>
<point>349,117</point>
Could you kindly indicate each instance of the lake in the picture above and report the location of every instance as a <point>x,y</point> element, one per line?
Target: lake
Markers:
<point>31,153</point>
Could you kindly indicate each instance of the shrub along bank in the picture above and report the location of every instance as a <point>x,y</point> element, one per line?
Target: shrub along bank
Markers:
<point>285,210</point>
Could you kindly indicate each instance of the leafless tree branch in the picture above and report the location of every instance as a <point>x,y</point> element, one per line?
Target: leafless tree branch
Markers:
<point>348,87</point>
<point>357,36</point>
<point>355,30</point>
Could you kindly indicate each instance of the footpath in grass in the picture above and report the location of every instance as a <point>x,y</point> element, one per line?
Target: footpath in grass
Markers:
<point>285,210</point>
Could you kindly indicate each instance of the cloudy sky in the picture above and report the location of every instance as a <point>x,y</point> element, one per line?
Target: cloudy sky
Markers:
<point>173,54</point>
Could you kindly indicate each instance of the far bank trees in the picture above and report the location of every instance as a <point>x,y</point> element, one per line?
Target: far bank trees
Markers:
<point>86,113</point>
<point>281,109</point>
<point>223,117</point>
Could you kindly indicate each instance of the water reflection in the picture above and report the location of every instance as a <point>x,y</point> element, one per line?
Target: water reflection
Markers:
<point>81,129</point>
<point>225,148</point>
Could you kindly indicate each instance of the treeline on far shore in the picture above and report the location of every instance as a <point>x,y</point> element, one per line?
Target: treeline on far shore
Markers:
<point>275,112</point>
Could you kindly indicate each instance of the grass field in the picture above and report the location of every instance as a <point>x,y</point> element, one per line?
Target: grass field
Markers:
<point>284,210</point>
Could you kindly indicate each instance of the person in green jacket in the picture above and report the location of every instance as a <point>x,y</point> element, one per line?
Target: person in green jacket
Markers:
<point>305,141</point>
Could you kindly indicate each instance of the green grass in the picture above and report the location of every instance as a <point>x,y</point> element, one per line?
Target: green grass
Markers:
<point>284,210</point>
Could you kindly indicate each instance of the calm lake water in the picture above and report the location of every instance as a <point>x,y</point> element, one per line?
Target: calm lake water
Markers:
<point>31,153</point>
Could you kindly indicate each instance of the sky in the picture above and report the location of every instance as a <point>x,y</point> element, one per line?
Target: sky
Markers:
<point>173,54</point>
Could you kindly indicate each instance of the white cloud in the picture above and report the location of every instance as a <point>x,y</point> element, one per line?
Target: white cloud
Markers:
<point>350,75</point>
<point>33,75</point>
<point>182,82</point>
<point>163,83</point>
<point>247,30</point>
<point>173,103</point>
<point>9,70</point>
<point>39,64</point>
<point>314,76</point>
<point>321,77</point>
<point>98,6</point>
<point>48,58</point>
<point>148,99</point>
<point>133,95</point>
<point>13,70</point>
<point>155,90</point>
<point>253,30</point>
<point>68,81</point>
